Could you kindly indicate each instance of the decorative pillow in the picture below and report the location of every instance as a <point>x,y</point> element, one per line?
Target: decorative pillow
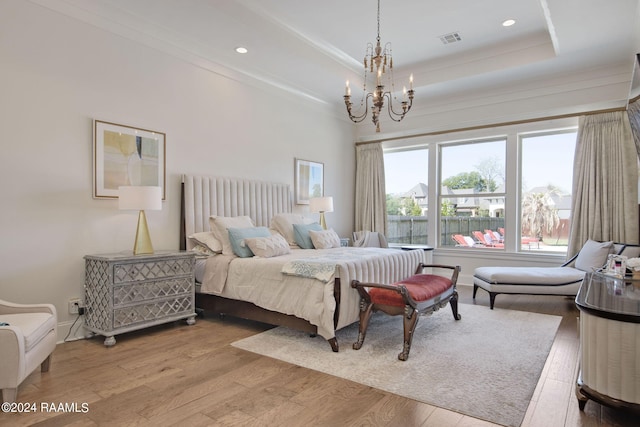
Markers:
<point>208,240</point>
<point>237,236</point>
<point>267,247</point>
<point>202,250</point>
<point>301,234</point>
<point>324,239</point>
<point>283,224</point>
<point>220,224</point>
<point>593,255</point>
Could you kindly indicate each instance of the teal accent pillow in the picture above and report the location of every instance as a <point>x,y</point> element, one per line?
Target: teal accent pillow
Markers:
<point>237,236</point>
<point>301,234</point>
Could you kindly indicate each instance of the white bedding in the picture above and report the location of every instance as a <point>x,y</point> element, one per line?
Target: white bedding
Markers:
<point>262,282</point>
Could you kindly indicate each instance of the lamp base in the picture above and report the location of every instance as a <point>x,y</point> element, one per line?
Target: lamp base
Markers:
<point>322,221</point>
<point>142,244</point>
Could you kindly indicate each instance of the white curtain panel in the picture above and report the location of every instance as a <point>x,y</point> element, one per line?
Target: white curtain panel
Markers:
<point>605,181</point>
<point>633,111</point>
<point>371,198</point>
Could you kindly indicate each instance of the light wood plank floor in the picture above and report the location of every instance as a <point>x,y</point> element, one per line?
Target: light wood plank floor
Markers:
<point>190,376</point>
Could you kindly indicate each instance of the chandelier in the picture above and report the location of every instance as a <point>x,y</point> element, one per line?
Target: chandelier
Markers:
<point>379,60</point>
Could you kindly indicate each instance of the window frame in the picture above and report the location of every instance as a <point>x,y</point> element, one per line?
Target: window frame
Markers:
<point>513,180</point>
<point>440,197</point>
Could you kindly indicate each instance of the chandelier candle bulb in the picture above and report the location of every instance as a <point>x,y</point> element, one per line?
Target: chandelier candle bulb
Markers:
<point>411,82</point>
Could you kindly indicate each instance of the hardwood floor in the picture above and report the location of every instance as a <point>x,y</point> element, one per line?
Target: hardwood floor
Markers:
<point>190,376</point>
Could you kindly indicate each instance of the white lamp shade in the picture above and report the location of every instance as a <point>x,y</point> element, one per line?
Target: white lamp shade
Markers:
<point>140,198</point>
<point>321,204</point>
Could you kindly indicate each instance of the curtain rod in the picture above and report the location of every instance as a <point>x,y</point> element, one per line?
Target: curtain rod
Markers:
<point>516,122</point>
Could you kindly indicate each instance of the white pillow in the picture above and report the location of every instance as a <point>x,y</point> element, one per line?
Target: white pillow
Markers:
<point>324,239</point>
<point>593,255</point>
<point>267,247</point>
<point>220,225</point>
<point>201,250</point>
<point>208,240</point>
<point>283,224</point>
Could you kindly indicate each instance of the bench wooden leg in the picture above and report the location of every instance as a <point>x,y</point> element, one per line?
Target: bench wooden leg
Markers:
<point>410,322</point>
<point>453,302</point>
<point>366,310</point>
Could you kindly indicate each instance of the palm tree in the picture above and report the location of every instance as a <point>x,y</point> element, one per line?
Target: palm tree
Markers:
<point>539,214</point>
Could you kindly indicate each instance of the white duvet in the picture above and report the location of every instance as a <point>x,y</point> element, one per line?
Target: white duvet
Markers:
<point>262,282</point>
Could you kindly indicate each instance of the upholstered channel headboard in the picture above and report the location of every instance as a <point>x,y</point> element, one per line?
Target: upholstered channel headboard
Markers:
<point>204,196</point>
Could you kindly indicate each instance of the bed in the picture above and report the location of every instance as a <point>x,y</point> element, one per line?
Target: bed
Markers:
<point>304,289</point>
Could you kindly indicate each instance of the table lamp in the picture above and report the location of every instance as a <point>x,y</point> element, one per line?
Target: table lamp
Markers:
<point>321,205</point>
<point>141,198</point>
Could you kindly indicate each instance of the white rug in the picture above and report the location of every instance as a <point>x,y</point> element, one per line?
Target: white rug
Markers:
<point>485,365</point>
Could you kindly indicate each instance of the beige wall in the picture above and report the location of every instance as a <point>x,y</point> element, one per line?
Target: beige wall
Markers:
<point>57,75</point>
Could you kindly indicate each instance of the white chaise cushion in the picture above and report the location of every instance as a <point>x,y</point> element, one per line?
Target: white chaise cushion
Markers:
<point>549,276</point>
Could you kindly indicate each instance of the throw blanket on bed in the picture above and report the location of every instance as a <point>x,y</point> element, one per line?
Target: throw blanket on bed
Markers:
<point>313,269</point>
<point>323,267</point>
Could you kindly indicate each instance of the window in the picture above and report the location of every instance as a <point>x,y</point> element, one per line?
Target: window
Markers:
<point>406,177</point>
<point>507,193</point>
<point>472,194</point>
<point>545,191</point>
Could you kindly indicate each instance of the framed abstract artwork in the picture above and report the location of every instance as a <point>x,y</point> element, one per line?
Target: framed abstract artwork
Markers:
<point>124,155</point>
<point>309,180</point>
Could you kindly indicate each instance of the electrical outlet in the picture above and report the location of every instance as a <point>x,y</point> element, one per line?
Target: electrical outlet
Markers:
<point>74,305</point>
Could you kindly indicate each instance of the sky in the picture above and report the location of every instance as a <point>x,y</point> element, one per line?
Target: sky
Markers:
<point>545,160</point>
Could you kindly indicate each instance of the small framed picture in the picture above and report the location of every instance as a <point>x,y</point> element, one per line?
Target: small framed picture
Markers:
<point>309,180</point>
<point>124,155</point>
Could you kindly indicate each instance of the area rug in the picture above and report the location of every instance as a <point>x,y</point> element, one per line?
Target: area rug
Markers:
<point>485,365</point>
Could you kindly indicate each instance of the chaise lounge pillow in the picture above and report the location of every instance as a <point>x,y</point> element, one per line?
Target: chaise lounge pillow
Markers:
<point>593,255</point>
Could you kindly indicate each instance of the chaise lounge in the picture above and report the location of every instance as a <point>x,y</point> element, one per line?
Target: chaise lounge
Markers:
<point>564,280</point>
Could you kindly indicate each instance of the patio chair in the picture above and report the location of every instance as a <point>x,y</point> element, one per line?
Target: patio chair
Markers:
<point>495,236</point>
<point>465,241</point>
<point>486,240</point>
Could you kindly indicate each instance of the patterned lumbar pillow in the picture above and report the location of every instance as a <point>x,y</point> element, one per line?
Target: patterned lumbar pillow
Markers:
<point>324,239</point>
<point>268,247</point>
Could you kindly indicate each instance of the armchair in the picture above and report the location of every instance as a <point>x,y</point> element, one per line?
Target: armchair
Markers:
<point>28,335</point>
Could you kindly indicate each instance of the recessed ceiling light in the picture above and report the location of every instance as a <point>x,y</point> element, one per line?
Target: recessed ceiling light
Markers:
<point>508,23</point>
<point>241,50</point>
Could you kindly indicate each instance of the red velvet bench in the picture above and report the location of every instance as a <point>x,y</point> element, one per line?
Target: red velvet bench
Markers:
<point>417,295</point>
